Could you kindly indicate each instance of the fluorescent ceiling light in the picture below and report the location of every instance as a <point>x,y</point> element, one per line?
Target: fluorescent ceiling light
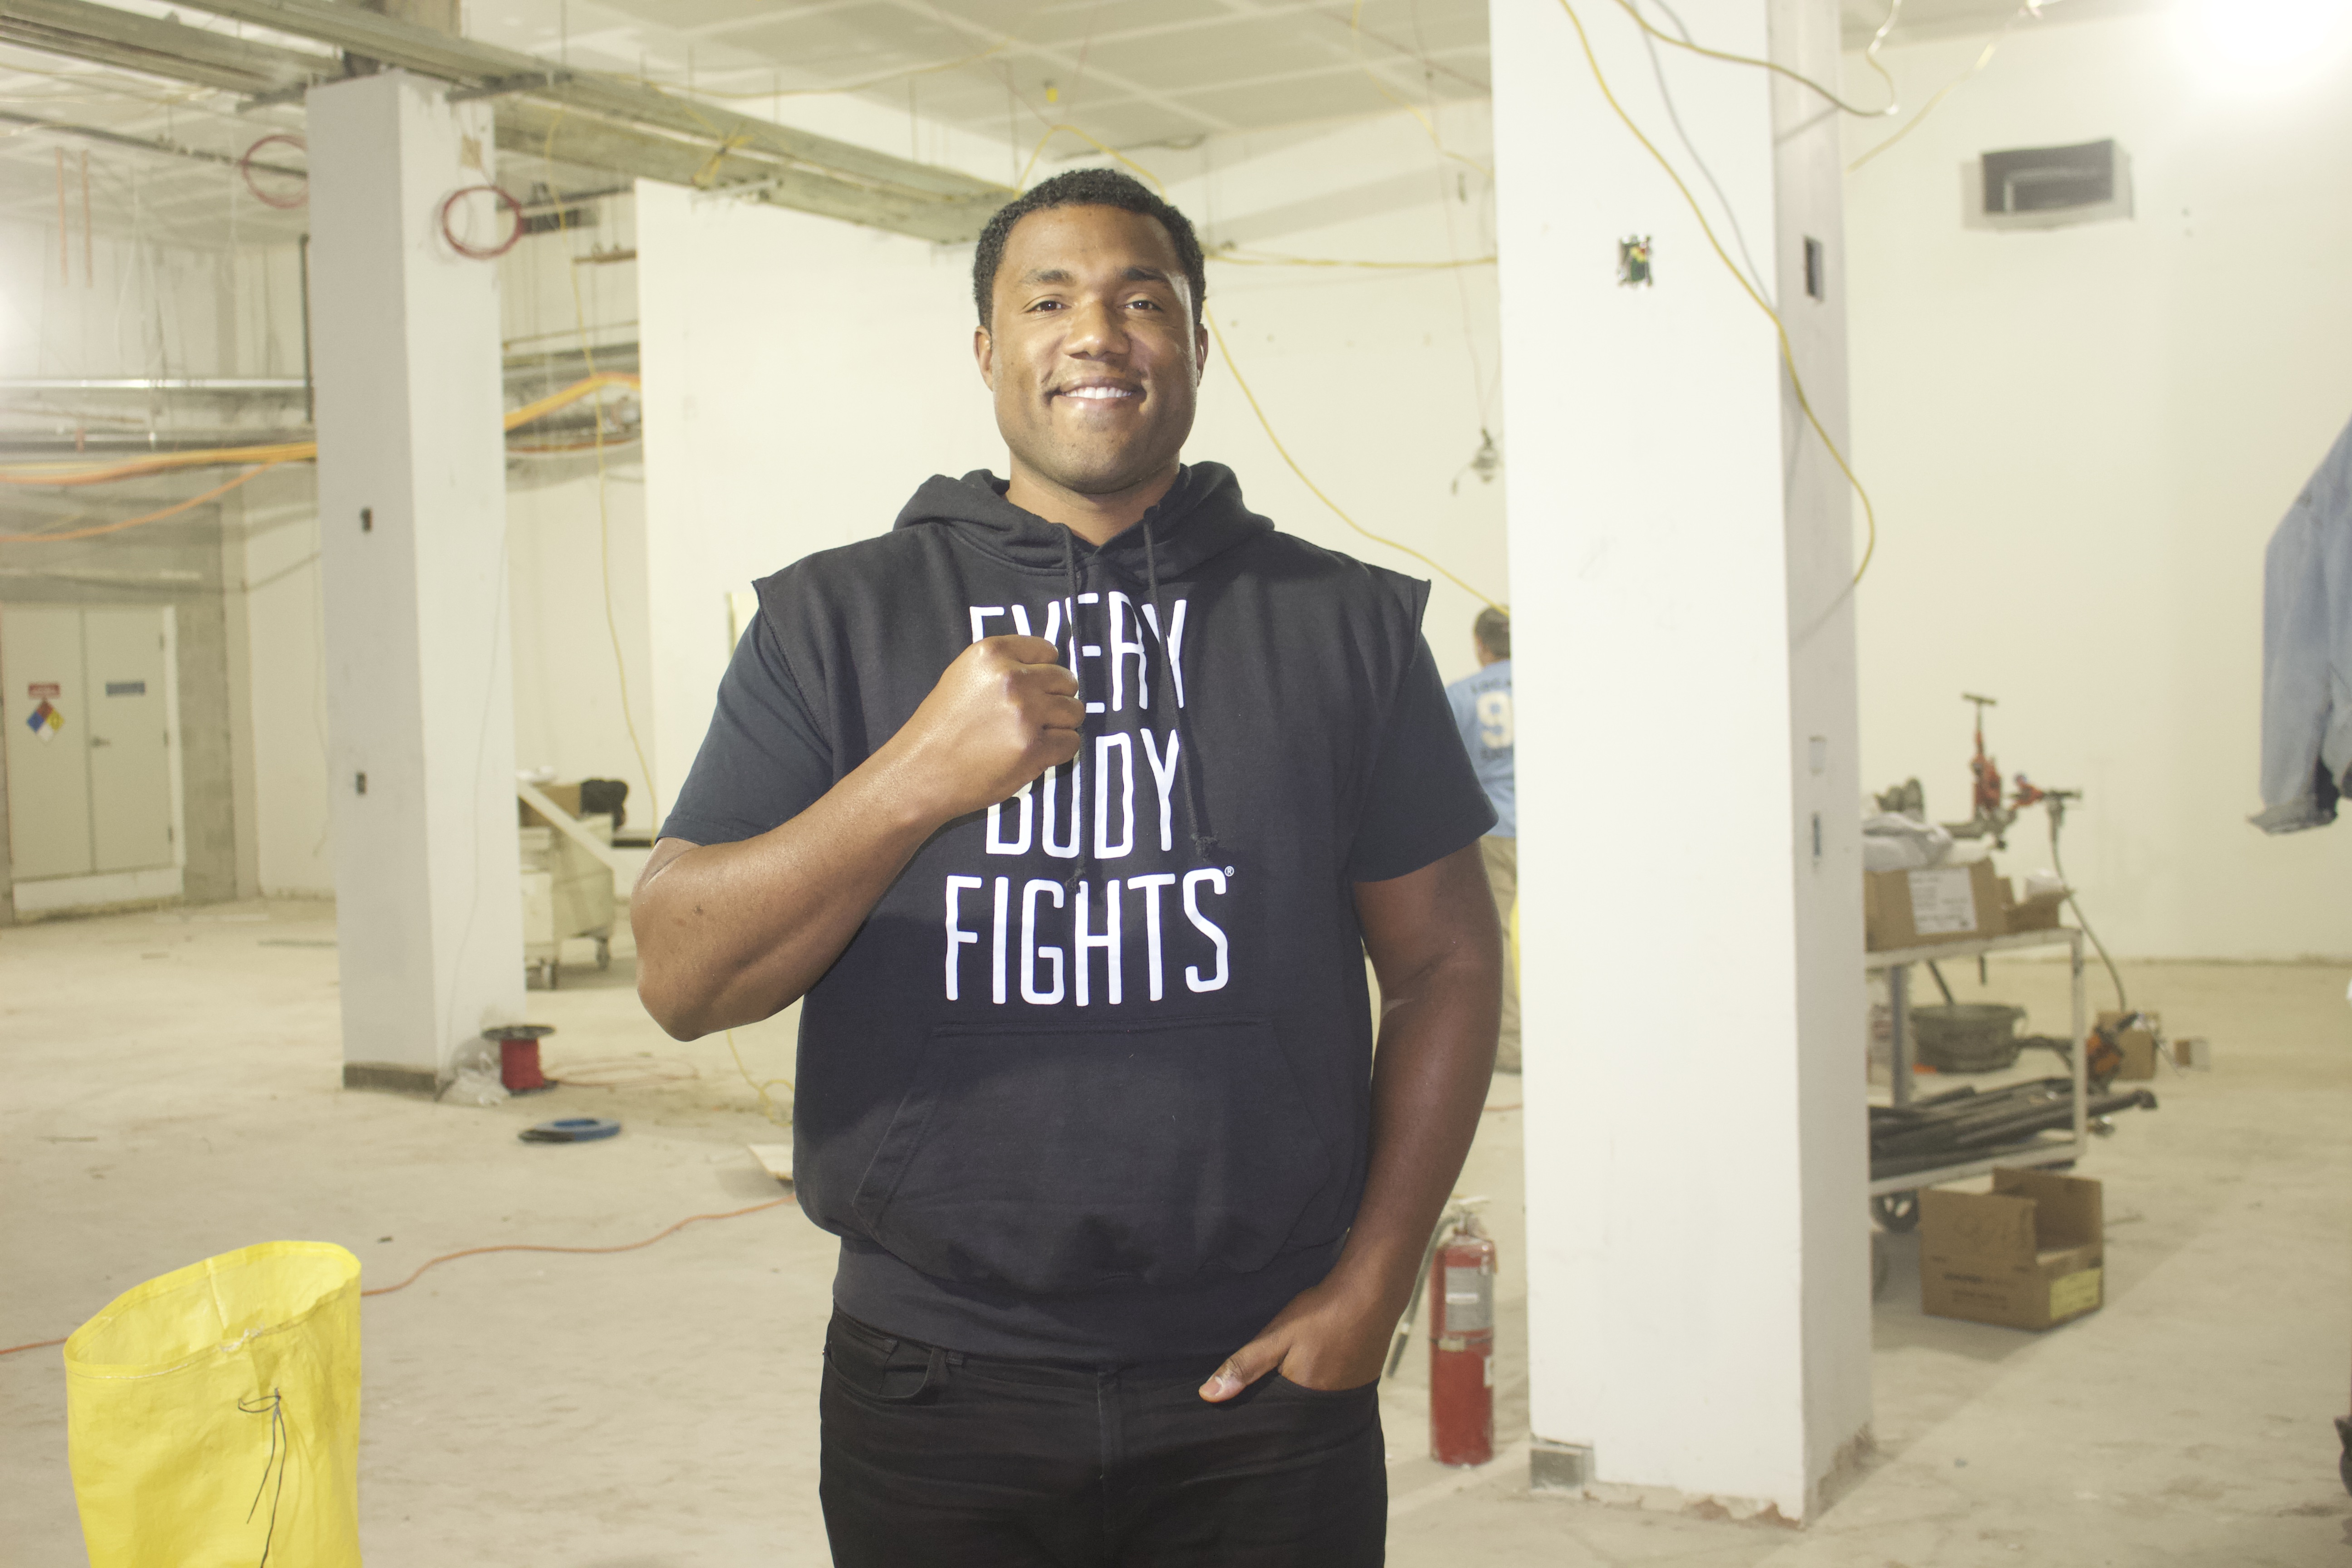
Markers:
<point>2258,43</point>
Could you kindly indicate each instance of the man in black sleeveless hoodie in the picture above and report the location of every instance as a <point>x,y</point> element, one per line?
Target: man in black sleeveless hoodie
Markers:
<point>1069,809</point>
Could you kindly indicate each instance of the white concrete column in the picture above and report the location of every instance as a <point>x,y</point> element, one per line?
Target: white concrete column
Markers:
<point>411,527</point>
<point>1690,860</point>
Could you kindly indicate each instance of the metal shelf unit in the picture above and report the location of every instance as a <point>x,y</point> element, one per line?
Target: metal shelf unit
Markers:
<point>1897,962</point>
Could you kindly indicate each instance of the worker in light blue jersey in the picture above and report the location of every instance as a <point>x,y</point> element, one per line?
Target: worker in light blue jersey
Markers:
<point>1482,710</point>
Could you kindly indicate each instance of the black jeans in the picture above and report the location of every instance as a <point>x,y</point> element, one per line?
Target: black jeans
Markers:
<point>933,1457</point>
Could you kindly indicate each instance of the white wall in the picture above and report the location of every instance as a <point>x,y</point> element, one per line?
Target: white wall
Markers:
<point>802,377</point>
<point>569,712</point>
<point>2079,441</point>
<point>765,333</point>
<point>287,639</point>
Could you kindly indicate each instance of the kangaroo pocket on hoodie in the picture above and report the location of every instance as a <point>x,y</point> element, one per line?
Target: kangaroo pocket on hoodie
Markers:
<point>1059,1160</point>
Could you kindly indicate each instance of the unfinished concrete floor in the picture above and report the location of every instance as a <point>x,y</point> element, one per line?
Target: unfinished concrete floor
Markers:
<point>172,1092</point>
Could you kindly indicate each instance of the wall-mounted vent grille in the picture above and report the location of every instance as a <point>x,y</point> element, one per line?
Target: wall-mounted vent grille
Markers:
<point>2042,187</point>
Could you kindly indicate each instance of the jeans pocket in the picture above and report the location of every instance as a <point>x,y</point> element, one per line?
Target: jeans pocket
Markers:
<point>879,1366</point>
<point>1279,1384</point>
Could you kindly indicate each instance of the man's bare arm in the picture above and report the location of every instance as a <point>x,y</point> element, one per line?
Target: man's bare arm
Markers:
<point>1438,952</point>
<point>731,933</point>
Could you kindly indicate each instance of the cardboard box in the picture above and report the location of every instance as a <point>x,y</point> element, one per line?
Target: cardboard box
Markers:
<point>1934,903</point>
<point>2039,913</point>
<point>566,795</point>
<point>2139,1046</point>
<point>2030,1254</point>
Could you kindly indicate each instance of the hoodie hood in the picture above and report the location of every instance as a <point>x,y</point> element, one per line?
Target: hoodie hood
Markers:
<point>1200,518</point>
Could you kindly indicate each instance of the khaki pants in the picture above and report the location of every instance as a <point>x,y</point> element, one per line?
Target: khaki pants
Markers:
<point>1502,858</point>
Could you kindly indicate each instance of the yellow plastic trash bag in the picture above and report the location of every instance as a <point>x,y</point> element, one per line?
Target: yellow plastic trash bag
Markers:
<point>213,1415</point>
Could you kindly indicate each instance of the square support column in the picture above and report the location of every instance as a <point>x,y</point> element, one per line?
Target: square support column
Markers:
<point>411,526</point>
<point>1690,807</point>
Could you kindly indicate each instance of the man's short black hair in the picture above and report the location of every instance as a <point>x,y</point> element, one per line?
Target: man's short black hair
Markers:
<point>1493,630</point>
<point>1087,188</point>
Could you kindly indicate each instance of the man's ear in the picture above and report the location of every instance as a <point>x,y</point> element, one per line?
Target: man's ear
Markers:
<point>983,350</point>
<point>1200,351</point>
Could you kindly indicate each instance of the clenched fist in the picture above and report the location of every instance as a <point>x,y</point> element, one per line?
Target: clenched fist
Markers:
<point>1003,714</point>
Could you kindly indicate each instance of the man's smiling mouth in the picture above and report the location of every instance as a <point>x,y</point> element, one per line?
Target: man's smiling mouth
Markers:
<point>1099,391</point>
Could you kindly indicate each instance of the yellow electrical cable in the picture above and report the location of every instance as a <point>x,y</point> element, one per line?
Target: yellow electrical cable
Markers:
<point>1103,147</point>
<point>594,382</point>
<point>173,511</point>
<point>1429,126</point>
<point>604,505</point>
<point>1871,55</point>
<point>767,1103</point>
<point>701,178</point>
<point>1788,354</point>
<point>62,476</point>
<point>1215,331</point>
<point>1928,107</point>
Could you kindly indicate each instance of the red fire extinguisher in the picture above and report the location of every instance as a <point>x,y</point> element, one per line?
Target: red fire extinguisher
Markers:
<point>1461,1345</point>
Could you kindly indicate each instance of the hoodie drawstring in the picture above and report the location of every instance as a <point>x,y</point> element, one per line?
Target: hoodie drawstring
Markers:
<point>1204,841</point>
<point>1086,860</point>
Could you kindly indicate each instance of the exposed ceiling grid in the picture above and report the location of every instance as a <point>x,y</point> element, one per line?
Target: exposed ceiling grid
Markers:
<point>1125,71</point>
<point>1130,73</point>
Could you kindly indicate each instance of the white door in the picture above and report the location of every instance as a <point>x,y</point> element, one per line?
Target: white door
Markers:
<point>129,738</point>
<point>45,705</point>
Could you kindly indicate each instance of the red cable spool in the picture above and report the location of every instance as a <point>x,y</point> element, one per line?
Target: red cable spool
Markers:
<point>481,252</point>
<point>518,1055</point>
<point>244,168</point>
<point>1462,1346</point>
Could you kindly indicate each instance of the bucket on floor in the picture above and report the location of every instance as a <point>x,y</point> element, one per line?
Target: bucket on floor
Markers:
<point>213,1414</point>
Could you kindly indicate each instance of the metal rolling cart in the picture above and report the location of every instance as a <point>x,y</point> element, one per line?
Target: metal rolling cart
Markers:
<point>567,892</point>
<point>1895,1198</point>
<point>568,871</point>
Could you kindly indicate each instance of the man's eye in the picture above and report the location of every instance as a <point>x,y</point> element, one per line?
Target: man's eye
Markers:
<point>1046,305</point>
<point>1145,304</point>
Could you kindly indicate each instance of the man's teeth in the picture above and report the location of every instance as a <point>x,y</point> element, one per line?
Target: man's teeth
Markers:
<point>1098,392</point>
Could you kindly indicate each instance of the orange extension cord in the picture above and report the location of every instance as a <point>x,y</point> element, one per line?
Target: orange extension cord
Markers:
<point>60,475</point>
<point>510,1246</point>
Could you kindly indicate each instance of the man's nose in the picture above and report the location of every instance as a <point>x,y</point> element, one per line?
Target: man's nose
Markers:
<point>1096,330</point>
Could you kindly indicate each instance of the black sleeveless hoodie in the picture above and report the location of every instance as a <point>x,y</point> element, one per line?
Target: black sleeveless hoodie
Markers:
<point>1091,1083</point>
